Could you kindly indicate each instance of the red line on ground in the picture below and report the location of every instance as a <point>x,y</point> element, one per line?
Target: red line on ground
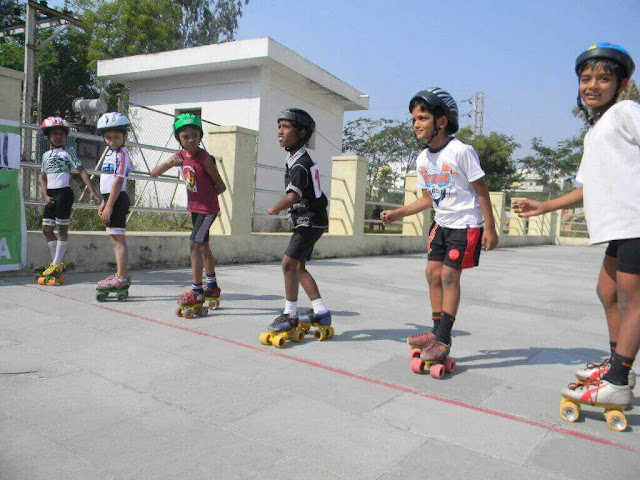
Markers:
<point>374,381</point>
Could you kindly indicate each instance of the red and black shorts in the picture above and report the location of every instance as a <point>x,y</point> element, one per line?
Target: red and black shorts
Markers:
<point>457,247</point>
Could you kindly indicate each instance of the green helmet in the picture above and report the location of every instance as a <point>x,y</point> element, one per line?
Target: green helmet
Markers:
<point>187,120</point>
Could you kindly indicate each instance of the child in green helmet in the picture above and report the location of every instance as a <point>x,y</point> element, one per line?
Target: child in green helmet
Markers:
<point>204,184</point>
<point>610,177</point>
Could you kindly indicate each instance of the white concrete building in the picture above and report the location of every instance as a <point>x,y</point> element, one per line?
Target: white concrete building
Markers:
<point>244,83</point>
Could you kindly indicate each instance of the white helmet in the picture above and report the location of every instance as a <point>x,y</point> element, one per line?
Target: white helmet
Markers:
<point>113,121</point>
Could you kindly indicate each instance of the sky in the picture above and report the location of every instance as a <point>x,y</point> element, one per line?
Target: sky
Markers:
<point>520,54</point>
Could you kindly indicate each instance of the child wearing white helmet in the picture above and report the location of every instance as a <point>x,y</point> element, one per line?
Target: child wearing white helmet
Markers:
<point>115,202</point>
<point>57,164</point>
<point>610,177</point>
<point>452,182</point>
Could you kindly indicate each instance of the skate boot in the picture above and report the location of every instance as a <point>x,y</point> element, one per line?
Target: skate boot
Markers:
<point>614,399</point>
<point>421,340</point>
<point>434,358</point>
<point>321,321</point>
<point>283,328</point>
<point>52,275</point>
<point>594,371</point>
<point>212,295</point>
<point>112,284</point>
<point>191,304</point>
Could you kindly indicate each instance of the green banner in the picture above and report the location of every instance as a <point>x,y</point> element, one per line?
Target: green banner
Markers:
<point>13,231</point>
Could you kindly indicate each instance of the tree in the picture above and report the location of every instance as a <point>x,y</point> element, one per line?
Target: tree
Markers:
<point>206,22</point>
<point>552,165</point>
<point>11,12</point>
<point>496,157</point>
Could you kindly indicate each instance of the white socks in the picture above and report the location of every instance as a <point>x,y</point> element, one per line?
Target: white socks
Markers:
<point>318,306</point>
<point>61,248</point>
<point>52,248</point>
<point>291,308</point>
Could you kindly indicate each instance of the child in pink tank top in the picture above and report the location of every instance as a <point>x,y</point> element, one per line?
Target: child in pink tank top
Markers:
<point>204,184</point>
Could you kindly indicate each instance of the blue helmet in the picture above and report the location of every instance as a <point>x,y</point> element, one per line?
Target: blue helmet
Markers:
<point>609,51</point>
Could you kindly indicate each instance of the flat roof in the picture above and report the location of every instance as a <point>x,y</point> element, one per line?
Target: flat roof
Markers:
<point>256,52</point>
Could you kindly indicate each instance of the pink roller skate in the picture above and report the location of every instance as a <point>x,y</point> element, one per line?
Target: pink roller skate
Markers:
<point>434,358</point>
<point>212,295</point>
<point>191,304</point>
<point>112,284</point>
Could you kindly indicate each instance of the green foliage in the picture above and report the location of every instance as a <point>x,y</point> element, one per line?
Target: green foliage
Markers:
<point>11,55</point>
<point>209,21</point>
<point>496,157</point>
<point>552,165</point>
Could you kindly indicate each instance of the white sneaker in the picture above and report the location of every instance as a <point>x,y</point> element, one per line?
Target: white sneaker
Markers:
<point>600,393</point>
<point>594,371</point>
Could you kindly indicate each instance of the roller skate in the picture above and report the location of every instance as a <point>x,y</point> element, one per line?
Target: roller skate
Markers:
<point>191,304</point>
<point>421,340</point>
<point>52,275</point>
<point>282,329</point>
<point>434,358</point>
<point>321,321</point>
<point>594,371</point>
<point>212,295</point>
<point>614,399</point>
<point>111,284</point>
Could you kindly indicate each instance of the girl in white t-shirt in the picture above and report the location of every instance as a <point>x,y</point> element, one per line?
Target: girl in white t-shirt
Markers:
<point>610,177</point>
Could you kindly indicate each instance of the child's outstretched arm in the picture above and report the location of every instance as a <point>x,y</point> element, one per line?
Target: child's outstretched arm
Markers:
<point>530,208</point>
<point>489,236</point>
<point>173,161</point>
<point>87,181</point>
<point>420,205</point>
<point>212,171</point>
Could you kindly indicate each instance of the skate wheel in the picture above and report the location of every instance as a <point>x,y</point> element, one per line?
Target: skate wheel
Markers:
<point>417,365</point>
<point>437,371</point>
<point>415,353</point>
<point>61,279</point>
<point>122,296</point>
<point>279,341</point>
<point>189,313</point>
<point>202,311</point>
<point>449,364</point>
<point>214,304</point>
<point>320,334</point>
<point>41,281</point>
<point>297,336</point>
<point>101,296</point>
<point>179,311</point>
<point>331,332</point>
<point>52,282</point>
<point>569,411</point>
<point>265,338</point>
<point>616,420</point>
<point>305,327</point>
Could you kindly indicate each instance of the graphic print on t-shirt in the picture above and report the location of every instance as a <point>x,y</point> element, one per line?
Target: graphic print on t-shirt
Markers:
<point>438,181</point>
<point>190,178</point>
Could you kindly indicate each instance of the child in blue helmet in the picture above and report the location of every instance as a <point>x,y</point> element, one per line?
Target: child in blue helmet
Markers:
<point>610,177</point>
<point>452,182</point>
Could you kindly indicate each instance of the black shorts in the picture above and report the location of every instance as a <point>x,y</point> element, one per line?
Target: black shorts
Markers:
<point>627,254</point>
<point>457,247</point>
<point>302,242</point>
<point>60,211</point>
<point>201,225</point>
<point>117,222</point>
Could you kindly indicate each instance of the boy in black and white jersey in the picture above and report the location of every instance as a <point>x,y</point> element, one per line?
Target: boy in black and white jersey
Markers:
<point>307,208</point>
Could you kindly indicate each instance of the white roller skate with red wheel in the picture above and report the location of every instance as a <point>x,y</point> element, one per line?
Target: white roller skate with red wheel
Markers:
<point>434,359</point>
<point>191,304</point>
<point>614,399</point>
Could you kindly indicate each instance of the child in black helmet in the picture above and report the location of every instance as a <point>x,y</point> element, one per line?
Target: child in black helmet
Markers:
<point>452,182</point>
<point>307,208</point>
<point>610,177</point>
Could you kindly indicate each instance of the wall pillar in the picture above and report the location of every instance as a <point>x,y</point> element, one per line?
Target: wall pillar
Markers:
<point>348,195</point>
<point>414,224</point>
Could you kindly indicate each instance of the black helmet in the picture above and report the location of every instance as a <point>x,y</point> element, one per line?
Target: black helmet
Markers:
<point>437,97</point>
<point>610,51</point>
<point>299,119</point>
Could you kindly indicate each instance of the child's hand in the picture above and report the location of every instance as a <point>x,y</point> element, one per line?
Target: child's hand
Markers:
<point>388,216</point>
<point>489,239</point>
<point>96,197</point>
<point>528,208</point>
<point>48,200</point>
<point>272,211</point>
<point>101,208</point>
<point>106,213</point>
